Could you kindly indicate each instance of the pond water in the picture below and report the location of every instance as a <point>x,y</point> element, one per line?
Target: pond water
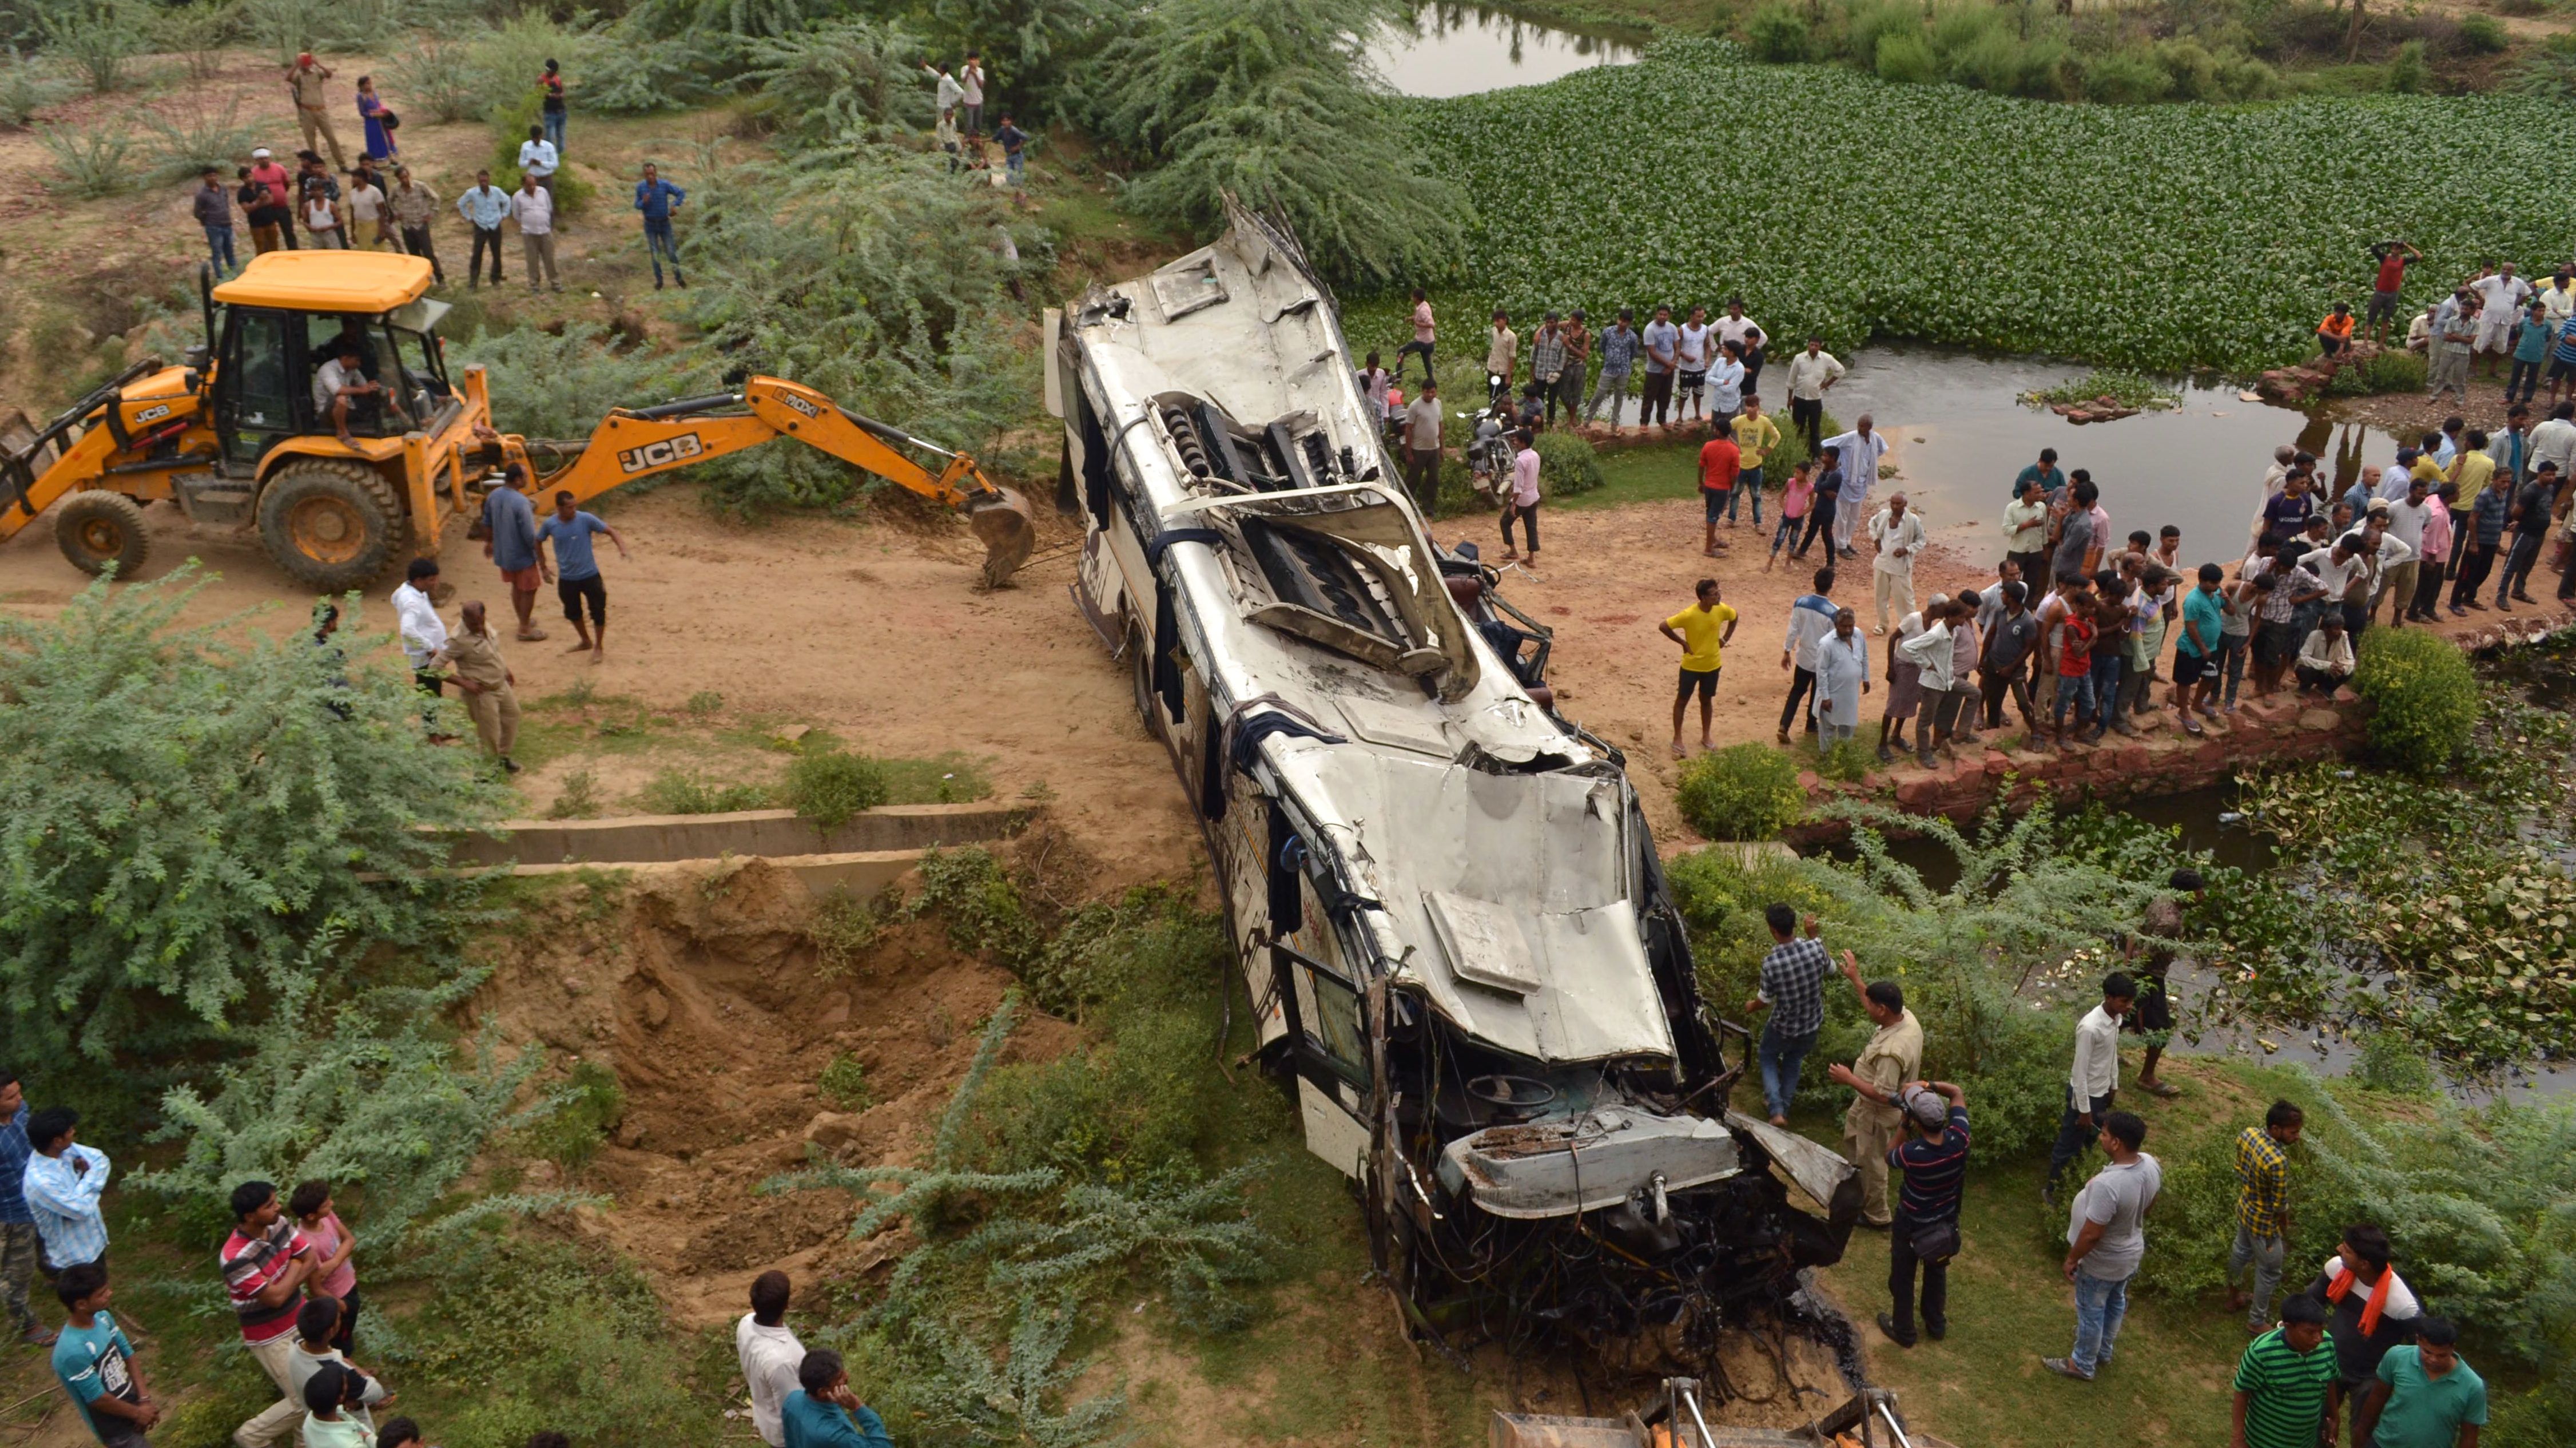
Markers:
<point>1458,50</point>
<point>1958,436</point>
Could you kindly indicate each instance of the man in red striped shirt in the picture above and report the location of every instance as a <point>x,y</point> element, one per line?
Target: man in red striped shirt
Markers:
<point>266,1261</point>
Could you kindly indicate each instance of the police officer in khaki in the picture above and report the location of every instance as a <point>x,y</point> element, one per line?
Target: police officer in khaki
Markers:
<point>473,653</point>
<point>1893,1057</point>
<point>306,82</point>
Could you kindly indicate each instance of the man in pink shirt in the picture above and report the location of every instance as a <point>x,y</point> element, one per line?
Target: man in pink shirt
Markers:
<point>1422,336</point>
<point>1522,501</point>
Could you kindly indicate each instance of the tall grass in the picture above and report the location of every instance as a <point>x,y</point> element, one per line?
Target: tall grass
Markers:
<point>90,160</point>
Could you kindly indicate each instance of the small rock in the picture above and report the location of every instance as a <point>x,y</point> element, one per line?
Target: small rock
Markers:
<point>541,1173</point>
<point>657,1009</point>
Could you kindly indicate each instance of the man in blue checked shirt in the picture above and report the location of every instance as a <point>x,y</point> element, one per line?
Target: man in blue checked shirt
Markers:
<point>62,1183</point>
<point>1793,990</point>
<point>17,1224</point>
<point>655,197</point>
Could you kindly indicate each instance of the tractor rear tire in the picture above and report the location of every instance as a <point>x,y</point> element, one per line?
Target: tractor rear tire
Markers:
<point>98,529</point>
<point>331,525</point>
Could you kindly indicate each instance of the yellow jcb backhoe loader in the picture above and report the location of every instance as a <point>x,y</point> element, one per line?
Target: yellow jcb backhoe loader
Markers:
<point>235,435</point>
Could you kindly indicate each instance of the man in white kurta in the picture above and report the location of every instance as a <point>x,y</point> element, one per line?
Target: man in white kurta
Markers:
<point>1861,448</point>
<point>1842,676</point>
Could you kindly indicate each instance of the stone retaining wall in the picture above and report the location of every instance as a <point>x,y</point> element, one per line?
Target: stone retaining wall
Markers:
<point>2163,759</point>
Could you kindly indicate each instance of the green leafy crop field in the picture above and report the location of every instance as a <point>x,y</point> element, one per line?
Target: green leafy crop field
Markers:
<point>2150,236</point>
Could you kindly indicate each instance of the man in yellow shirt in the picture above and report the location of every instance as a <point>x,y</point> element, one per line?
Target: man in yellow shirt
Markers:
<point>1703,630</point>
<point>1755,435</point>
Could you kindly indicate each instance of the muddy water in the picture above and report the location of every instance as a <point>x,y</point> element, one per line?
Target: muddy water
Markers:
<point>1458,50</point>
<point>1959,436</point>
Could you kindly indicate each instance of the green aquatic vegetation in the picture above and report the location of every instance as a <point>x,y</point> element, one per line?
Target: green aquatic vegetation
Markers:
<point>2163,237</point>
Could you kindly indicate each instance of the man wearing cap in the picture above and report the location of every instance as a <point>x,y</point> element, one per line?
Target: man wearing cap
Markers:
<point>305,81</point>
<point>1934,1158</point>
<point>1893,1055</point>
<point>278,209</point>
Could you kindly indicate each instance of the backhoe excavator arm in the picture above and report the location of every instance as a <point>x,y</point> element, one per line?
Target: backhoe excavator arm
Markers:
<point>636,443</point>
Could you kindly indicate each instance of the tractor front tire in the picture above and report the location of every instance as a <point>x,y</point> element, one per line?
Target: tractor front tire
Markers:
<point>331,525</point>
<point>99,529</point>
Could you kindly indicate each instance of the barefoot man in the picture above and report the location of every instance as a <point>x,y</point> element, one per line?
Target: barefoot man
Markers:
<point>1703,630</point>
<point>575,571</point>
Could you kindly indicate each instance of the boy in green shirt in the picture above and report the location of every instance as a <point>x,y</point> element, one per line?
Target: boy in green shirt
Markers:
<point>2286,1384</point>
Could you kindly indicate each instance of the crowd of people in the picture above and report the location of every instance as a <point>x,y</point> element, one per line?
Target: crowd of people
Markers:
<point>2080,632</point>
<point>289,1269</point>
<point>2356,1346</point>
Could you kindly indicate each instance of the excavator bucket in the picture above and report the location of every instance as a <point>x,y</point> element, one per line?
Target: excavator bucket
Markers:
<point>1003,521</point>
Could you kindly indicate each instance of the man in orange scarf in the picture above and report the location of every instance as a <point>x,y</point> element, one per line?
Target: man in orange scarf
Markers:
<point>2372,1310</point>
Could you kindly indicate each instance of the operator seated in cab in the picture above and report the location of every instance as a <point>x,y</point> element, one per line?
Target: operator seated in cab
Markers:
<point>342,391</point>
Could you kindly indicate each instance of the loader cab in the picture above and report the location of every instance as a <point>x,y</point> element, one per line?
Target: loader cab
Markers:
<point>270,330</point>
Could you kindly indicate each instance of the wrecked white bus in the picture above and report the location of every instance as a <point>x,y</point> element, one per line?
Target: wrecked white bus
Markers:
<point>1446,905</point>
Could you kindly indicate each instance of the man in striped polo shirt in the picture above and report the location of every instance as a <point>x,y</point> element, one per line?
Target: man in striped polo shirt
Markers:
<point>1934,1158</point>
<point>2286,1384</point>
<point>266,1261</point>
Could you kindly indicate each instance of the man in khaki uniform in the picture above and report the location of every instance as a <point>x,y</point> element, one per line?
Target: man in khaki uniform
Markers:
<point>473,655</point>
<point>1893,1057</point>
<point>305,79</point>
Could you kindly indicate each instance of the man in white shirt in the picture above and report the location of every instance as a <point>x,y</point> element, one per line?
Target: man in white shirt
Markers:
<point>970,89</point>
<point>769,1355</point>
<point>2093,1081</point>
<point>1898,534</point>
<point>2558,297</point>
<point>534,209</point>
<point>423,633</point>
<point>1811,622</point>
<point>342,388</point>
<point>2406,519</point>
<point>537,158</point>
<point>2277,475</point>
<point>2553,441</point>
<point>1690,357</point>
<point>1860,449</point>
<point>1811,374</point>
<point>2500,299</point>
<point>951,94</point>
<point>2326,659</point>
<point>366,225</point>
<point>1749,340</point>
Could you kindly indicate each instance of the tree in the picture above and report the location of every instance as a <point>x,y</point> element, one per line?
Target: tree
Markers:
<point>196,822</point>
<point>1273,100</point>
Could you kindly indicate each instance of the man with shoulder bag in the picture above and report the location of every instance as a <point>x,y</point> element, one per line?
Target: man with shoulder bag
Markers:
<point>1934,1159</point>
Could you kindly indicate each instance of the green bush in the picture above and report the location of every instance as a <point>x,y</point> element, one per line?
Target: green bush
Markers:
<point>1849,762</point>
<point>675,792</point>
<point>27,86</point>
<point>585,1108</point>
<point>843,928</point>
<point>2484,34</point>
<point>1778,32</point>
<point>2409,73</point>
<point>1745,791</point>
<point>829,787</point>
<point>97,39</point>
<point>2424,693</point>
<point>90,161</point>
<point>2394,370</point>
<point>2128,77</point>
<point>198,824</point>
<point>1905,57</point>
<point>844,1083</point>
<point>1567,464</point>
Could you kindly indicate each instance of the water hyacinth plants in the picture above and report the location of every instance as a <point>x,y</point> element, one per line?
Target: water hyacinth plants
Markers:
<point>2169,237</point>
